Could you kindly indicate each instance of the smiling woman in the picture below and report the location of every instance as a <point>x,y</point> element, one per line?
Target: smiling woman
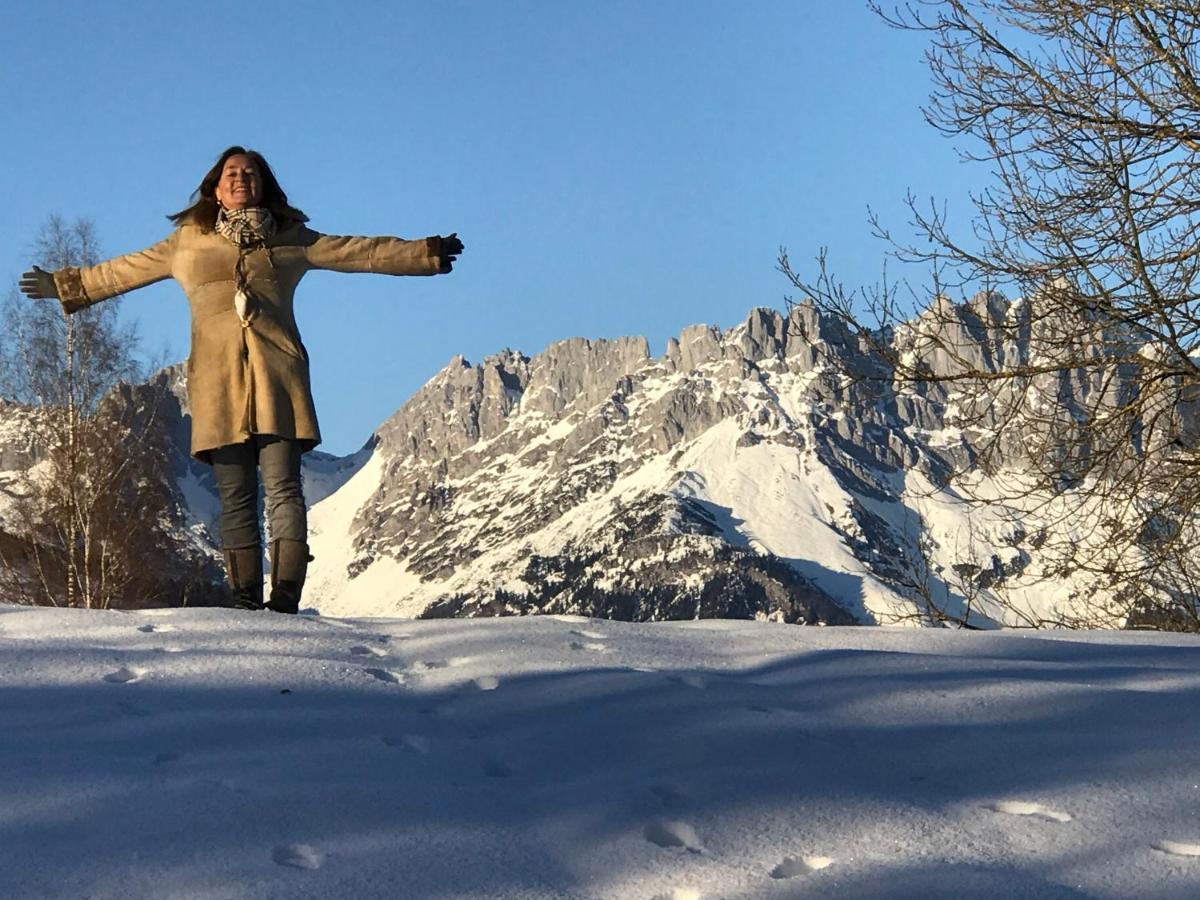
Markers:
<point>239,252</point>
<point>240,184</point>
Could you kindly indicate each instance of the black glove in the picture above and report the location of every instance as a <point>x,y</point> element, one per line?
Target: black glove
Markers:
<point>451,246</point>
<point>39,284</point>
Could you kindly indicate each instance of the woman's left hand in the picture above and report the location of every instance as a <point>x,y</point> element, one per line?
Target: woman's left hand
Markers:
<point>451,248</point>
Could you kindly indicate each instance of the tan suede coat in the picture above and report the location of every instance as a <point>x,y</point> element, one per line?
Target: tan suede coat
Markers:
<point>246,379</point>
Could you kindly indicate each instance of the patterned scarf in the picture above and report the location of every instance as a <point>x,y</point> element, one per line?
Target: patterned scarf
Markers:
<point>247,229</point>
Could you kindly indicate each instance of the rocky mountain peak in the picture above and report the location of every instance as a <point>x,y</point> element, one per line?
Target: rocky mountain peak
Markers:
<point>772,470</point>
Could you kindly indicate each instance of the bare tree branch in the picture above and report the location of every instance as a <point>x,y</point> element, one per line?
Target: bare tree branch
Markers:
<point>1081,394</point>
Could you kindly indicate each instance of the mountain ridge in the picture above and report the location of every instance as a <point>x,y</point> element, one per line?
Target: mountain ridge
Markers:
<point>773,470</point>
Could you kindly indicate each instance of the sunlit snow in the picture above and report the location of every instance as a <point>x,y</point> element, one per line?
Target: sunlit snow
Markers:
<point>224,754</point>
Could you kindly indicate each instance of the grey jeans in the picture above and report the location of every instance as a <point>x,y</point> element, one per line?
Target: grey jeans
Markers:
<point>236,467</point>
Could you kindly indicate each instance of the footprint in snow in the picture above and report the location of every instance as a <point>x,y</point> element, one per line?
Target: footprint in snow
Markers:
<point>792,866</point>
<point>1177,848</point>
<point>673,833</point>
<point>669,796</point>
<point>679,894</point>
<point>593,646</point>
<point>1028,808</point>
<point>486,683</point>
<point>151,628</point>
<point>126,675</point>
<point>367,650</point>
<point>298,856</point>
<point>413,743</point>
<point>385,675</point>
<point>430,665</point>
<point>690,680</point>
<point>590,635</point>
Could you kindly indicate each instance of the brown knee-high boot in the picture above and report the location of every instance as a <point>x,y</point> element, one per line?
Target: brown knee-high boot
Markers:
<point>243,571</point>
<point>289,565</point>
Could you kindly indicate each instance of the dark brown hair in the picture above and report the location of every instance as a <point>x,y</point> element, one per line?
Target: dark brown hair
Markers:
<point>204,208</point>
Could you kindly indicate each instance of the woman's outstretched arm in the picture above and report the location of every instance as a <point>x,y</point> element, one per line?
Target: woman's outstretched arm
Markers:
<point>80,287</point>
<point>384,255</point>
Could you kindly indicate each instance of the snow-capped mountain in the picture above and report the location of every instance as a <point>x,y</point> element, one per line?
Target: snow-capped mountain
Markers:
<point>770,471</point>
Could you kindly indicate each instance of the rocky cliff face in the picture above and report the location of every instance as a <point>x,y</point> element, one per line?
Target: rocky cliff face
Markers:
<point>773,470</point>
<point>770,471</point>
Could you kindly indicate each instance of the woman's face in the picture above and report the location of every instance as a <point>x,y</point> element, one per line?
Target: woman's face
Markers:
<point>241,184</point>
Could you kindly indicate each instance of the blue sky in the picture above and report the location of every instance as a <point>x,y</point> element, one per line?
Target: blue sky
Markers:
<point>614,168</point>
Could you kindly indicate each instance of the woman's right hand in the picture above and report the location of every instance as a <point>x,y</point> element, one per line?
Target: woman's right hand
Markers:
<point>39,285</point>
<point>451,245</point>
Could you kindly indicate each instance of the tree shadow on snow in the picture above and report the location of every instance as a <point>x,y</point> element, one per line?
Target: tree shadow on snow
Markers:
<point>545,784</point>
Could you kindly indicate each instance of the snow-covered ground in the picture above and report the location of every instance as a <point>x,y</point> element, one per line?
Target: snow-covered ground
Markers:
<point>220,754</point>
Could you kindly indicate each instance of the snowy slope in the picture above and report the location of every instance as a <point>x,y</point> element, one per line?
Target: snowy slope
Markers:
<point>216,754</point>
<point>772,471</point>
<point>595,479</point>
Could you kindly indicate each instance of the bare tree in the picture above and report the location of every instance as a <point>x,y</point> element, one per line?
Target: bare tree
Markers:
<point>81,519</point>
<point>1082,392</point>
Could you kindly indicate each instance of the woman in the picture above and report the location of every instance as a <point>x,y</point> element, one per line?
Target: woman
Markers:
<point>238,252</point>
